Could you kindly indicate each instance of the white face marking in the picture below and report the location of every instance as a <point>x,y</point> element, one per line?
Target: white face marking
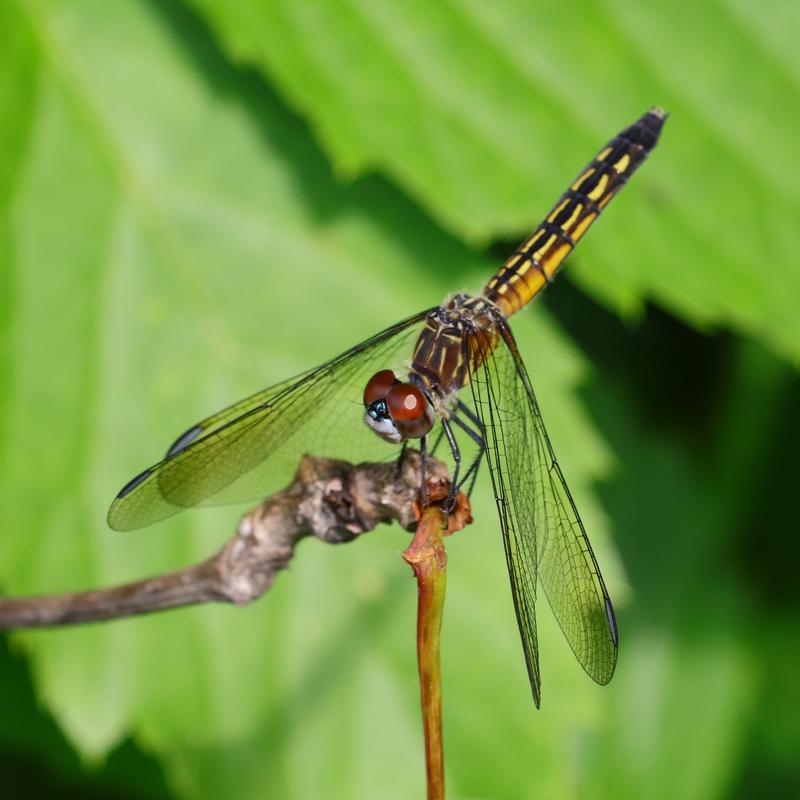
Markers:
<point>385,428</point>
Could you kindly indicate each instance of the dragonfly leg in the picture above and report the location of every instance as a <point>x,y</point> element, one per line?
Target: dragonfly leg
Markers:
<point>436,442</point>
<point>423,458</point>
<point>450,502</point>
<point>471,474</point>
<point>464,409</point>
<point>400,460</point>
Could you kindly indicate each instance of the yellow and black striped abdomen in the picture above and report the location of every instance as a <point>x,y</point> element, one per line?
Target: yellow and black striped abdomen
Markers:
<point>536,260</point>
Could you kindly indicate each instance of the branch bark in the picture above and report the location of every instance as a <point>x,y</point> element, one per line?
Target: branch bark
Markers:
<point>332,500</point>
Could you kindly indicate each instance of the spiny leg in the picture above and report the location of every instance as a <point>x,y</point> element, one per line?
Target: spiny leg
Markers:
<point>477,436</point>
<point>470,415</point>
<point>474,469</point>
<point>471,474</point>
<point>436,442</point>
<point>400,460</point>
<point>446,431</point>
<point>423,458</point>
<point>450,501</point>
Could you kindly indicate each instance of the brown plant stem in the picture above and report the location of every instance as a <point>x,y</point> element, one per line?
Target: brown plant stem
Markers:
<point>427,557</point>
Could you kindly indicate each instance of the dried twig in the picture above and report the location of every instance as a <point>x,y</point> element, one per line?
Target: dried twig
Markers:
<point>332,500</point>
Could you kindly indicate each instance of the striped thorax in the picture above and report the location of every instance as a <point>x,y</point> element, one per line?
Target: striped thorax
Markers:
<point>457,337</point>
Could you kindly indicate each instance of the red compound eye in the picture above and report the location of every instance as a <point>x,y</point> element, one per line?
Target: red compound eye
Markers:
<point>406,402</point>
<point>378,386</point>
<point>410,410</point>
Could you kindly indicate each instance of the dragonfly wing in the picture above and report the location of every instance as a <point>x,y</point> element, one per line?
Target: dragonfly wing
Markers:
<point>232,412</point>
<point>545,541</point>
<point>252,449</point>
<point>501,409</point>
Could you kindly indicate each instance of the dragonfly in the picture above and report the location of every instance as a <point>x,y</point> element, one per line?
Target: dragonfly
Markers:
<point>451,372</point>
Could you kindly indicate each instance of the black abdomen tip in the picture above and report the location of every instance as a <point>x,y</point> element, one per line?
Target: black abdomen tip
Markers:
<point>646,130</point>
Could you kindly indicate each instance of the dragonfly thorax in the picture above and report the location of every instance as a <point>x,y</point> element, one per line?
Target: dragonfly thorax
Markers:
<point>456,338</point>
<point>396,410</point>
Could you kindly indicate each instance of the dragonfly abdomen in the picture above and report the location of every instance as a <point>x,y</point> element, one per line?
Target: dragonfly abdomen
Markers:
<point>534,263</point>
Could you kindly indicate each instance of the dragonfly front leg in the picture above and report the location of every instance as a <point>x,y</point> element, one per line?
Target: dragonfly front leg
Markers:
<point>400,460</point>
<point>436,442</point>
<point>423,458</point>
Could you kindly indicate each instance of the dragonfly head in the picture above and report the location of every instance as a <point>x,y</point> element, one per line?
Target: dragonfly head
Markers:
<point>396,410</point>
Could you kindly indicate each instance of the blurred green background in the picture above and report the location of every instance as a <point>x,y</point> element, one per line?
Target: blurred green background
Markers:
<point>198,199</point>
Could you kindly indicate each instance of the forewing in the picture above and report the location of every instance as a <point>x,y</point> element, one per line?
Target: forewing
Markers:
<point>506,428</point>
<point>232,412</point>
<point>253,448</point>
<point>544,538</point>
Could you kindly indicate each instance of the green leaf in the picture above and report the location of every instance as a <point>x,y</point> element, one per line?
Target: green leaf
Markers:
<point>689,677</point>
<point>483,112</point>
<point>37,761</point>
<point>173,240</point>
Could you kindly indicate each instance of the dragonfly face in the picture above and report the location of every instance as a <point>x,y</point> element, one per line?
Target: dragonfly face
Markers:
<point>467,378</point>
<point>396,411</point>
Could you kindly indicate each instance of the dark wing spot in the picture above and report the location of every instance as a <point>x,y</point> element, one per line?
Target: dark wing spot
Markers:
<point>612,622</point>
<point>646,130</point>
<point>133,483</point>
<point>184,440</point>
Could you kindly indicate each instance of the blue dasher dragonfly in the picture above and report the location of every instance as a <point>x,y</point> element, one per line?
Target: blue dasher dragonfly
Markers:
<point>454,369</point>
